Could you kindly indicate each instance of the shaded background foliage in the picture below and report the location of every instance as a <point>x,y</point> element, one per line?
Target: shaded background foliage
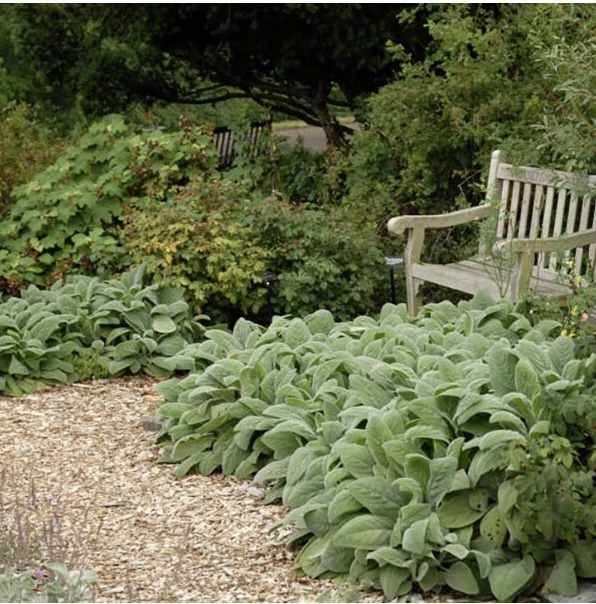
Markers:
<point>435,89</point>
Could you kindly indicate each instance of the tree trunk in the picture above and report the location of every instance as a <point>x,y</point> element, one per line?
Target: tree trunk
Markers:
<point>333,129</point>
<point>335,134</point>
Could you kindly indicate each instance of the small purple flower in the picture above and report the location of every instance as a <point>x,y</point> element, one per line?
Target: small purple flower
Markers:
<point>52,498</point>
<point>39,574</point>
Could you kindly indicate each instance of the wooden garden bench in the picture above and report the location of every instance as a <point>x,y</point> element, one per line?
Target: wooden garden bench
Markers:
<point>540,235</point>
<point>224,140</point>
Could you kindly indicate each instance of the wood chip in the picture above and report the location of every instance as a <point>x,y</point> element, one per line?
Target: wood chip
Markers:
<point>150,536</point>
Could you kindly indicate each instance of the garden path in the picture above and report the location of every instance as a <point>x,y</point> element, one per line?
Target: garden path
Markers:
<point>150,537</point>
<point>312,138</point>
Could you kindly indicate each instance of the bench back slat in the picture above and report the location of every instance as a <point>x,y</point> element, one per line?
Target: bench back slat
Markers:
<point>224,141</point>
<point>582,226</point>
<point>544,260</point>
<point>535,203</point>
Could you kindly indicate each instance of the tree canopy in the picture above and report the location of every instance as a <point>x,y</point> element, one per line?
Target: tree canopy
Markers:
<point>301,60</point>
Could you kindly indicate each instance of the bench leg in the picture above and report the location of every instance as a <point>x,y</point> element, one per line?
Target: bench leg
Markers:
<point>414,298</point>
<point>412,257</point>
<point>521,275</point>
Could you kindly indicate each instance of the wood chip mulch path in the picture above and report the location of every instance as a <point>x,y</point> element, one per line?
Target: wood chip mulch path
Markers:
<point>150,537</point>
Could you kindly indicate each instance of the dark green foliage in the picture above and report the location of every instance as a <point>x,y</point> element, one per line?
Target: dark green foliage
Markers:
<point>118,199</point>
<point>67,218</point>
<point>218,242</point>
<point>512,77</point>
<point>26,148</point>
<point>567,130</point>
<point>323,258</point>
<point>54,32</point>
<point>443,116</point>
<point>296,173</point>
<point>306,61</point>
<point>196,239</point>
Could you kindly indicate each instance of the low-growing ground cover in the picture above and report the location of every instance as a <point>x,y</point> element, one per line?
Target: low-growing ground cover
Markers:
<point>454,450</point>
<point>86,327</point>
<point>451,451</point>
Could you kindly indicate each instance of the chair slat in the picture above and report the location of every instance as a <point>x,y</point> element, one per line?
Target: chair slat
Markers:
<point>591,268</point>
<point>546,222</point>
<point>558,226</point>
<point>524,211</point>
<point>572,213</point>
<point>537,208</point>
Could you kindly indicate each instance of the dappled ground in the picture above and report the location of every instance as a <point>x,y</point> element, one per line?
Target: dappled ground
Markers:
<point>149,535</point>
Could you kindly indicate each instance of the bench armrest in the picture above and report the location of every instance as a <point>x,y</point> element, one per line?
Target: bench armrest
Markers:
<point>524,250</point>
<point>400,224</point>
<point>547,245</point>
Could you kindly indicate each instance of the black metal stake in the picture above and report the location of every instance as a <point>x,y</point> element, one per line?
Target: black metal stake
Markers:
<point>392,281</point>
<point>394,263</point>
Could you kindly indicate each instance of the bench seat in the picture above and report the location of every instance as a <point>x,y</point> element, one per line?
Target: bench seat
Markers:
<point>472,276</point>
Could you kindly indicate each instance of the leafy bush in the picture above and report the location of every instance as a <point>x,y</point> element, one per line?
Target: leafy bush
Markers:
<point>90,328</point>
<point>323,258</point>
<point>119,199</point>
<point>567,131</point>
<point>217,241</point>
<point>26,148</point>
<point>290,170</point>
<point>454,450</point>
<point>511,77</point>
<point>66,219</point>
<point>196,240</point>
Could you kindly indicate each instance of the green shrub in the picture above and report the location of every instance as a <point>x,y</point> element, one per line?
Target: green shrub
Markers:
<point>295,173</point>
<point>196,239</point>
<point>453,450</point>
<point>512,77</point>
<point>567,130</point>
<point>117,199</point>
<point>26,148</point>
<point>67,218</point>
<point>443,116</point>
<point>323,258</point>
<point>217,241</point>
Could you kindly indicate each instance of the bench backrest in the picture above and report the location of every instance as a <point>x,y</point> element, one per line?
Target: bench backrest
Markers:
<point>225,141</point>
<point>537,204</point>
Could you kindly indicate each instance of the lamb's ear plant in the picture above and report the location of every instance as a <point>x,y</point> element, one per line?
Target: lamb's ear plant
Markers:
<point>429,453</point>
<point>85,328</point>
<point>37,586</point>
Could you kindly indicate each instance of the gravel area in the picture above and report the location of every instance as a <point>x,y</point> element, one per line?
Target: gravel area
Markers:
<point>150,537</point>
